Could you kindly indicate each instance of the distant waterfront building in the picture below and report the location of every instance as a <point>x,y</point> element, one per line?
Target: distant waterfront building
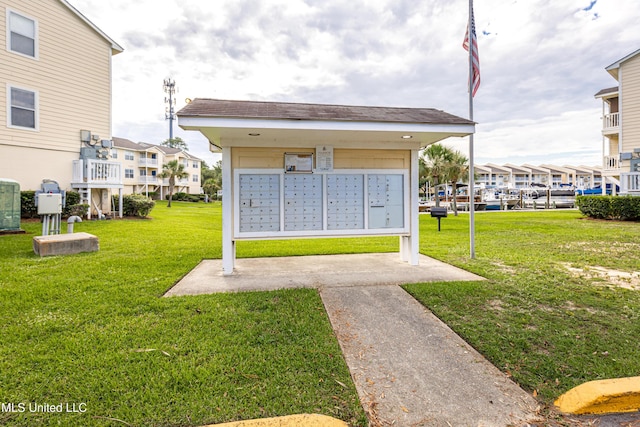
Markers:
<point>526,175</point>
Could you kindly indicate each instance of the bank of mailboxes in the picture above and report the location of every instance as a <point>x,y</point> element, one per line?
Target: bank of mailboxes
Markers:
<point>259,202</point>
<point>260,210</point>
<point>386,201</point>
<point>345,199</point>
<point>302,202</point>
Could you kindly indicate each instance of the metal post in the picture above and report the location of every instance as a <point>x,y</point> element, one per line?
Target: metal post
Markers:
<point>472,207</point>
<point>170,89</point>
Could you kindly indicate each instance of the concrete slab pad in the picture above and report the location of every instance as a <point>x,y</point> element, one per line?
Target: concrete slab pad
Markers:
<point>260,274</point>
<point>410,369</point>
<point>65,244</point>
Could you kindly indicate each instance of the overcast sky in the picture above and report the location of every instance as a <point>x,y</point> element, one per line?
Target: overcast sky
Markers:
<point>541,63</point>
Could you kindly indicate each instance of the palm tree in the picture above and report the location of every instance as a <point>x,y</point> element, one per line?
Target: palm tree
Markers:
<point>458,170</point>
<point>173,170</point>
<point>436,159</point>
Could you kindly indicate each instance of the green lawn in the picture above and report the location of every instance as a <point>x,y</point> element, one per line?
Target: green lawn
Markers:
<point>547,327</point>
<point>92,329</point>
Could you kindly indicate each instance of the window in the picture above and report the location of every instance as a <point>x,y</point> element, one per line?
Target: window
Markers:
<point>196,178</point>
<point>195,165</point>
<point>128,155</point>
<point>114,153</point>
<point>143,172</point>
<point>23,111</point>
<point>128,173</point>
<point>21,34</point>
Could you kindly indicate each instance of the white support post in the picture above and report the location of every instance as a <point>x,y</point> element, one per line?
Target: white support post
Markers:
<point>120,200</point>
<point>414,217</point>
<point>228,244</point>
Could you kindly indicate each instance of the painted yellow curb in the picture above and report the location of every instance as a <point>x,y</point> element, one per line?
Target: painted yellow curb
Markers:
<point>304,420</point>
<point>600,397</point>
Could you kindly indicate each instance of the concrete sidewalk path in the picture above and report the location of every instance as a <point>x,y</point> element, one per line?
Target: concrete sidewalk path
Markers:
<point>410,369</point>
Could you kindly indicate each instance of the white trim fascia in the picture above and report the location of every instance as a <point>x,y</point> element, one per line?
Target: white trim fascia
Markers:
<point>620,111</point>
<point>323,125</point>
<point>115,47</point>
<point>620,61</point>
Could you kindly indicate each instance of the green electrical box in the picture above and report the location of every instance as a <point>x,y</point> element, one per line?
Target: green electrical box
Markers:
<point>9,205</point>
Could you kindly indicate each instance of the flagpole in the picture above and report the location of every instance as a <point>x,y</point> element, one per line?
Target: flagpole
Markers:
<point>472,207</point>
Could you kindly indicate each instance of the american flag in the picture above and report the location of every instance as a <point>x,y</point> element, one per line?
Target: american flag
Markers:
<point>475,58</point>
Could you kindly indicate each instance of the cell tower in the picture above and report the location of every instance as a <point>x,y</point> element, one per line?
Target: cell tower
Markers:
<point>169,112</point>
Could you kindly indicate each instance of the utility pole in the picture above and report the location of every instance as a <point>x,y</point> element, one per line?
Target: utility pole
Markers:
<point>169,114</point>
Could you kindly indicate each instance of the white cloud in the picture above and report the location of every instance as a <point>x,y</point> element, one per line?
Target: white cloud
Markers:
<point>541,62</point>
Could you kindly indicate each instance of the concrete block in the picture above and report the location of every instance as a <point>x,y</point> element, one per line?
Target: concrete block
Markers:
<point>302,420</point>
<point>602,397</point>
<point>65,244</point>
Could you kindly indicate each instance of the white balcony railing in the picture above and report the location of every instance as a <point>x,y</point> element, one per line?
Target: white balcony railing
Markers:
<point>611,121</point>
<point>148,179</point>
<point>96,172</point>
<point>178,181</point>
<point>148,162</point>
<point>630,183</point>
<point>612,163</point>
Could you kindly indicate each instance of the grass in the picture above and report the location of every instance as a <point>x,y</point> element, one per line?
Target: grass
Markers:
<point>549,329</point>
<point>92,328</point>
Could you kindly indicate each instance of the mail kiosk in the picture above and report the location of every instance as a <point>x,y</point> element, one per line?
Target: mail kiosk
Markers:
<point>309,171</point>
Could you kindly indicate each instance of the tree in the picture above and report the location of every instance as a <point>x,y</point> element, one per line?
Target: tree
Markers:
<point>436,159</point>
<point>458,171</point>
<point>176,142</point>
<point>173,170</point>
<point>442,165</point>
<point>212,179</point>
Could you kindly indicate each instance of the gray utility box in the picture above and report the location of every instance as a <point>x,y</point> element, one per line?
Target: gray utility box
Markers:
<point>9,205</point>
<point>49,203</point>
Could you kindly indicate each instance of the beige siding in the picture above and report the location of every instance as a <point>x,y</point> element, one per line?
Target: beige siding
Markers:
<point>72,76</point>
<point>243,157</point>
<point>30,167</point>
<point>630,100</point>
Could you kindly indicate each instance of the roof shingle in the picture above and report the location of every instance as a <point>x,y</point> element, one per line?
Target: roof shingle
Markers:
<point>217,108</point>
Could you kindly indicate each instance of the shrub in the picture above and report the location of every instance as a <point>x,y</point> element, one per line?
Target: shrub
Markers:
<point>184,197</point>
<point>28,204</point>
<point>78,209</point>
<point>134,205</point>
<point>625,208</point>
<point>72,198</point>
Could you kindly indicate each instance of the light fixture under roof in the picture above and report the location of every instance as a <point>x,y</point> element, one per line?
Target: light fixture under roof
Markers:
<point>407,136</point>
<point>254,134</point>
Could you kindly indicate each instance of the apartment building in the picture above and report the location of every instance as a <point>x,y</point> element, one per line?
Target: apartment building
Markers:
<point>56,110</point>
<point>142,164</point>
<point>621,125</point>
